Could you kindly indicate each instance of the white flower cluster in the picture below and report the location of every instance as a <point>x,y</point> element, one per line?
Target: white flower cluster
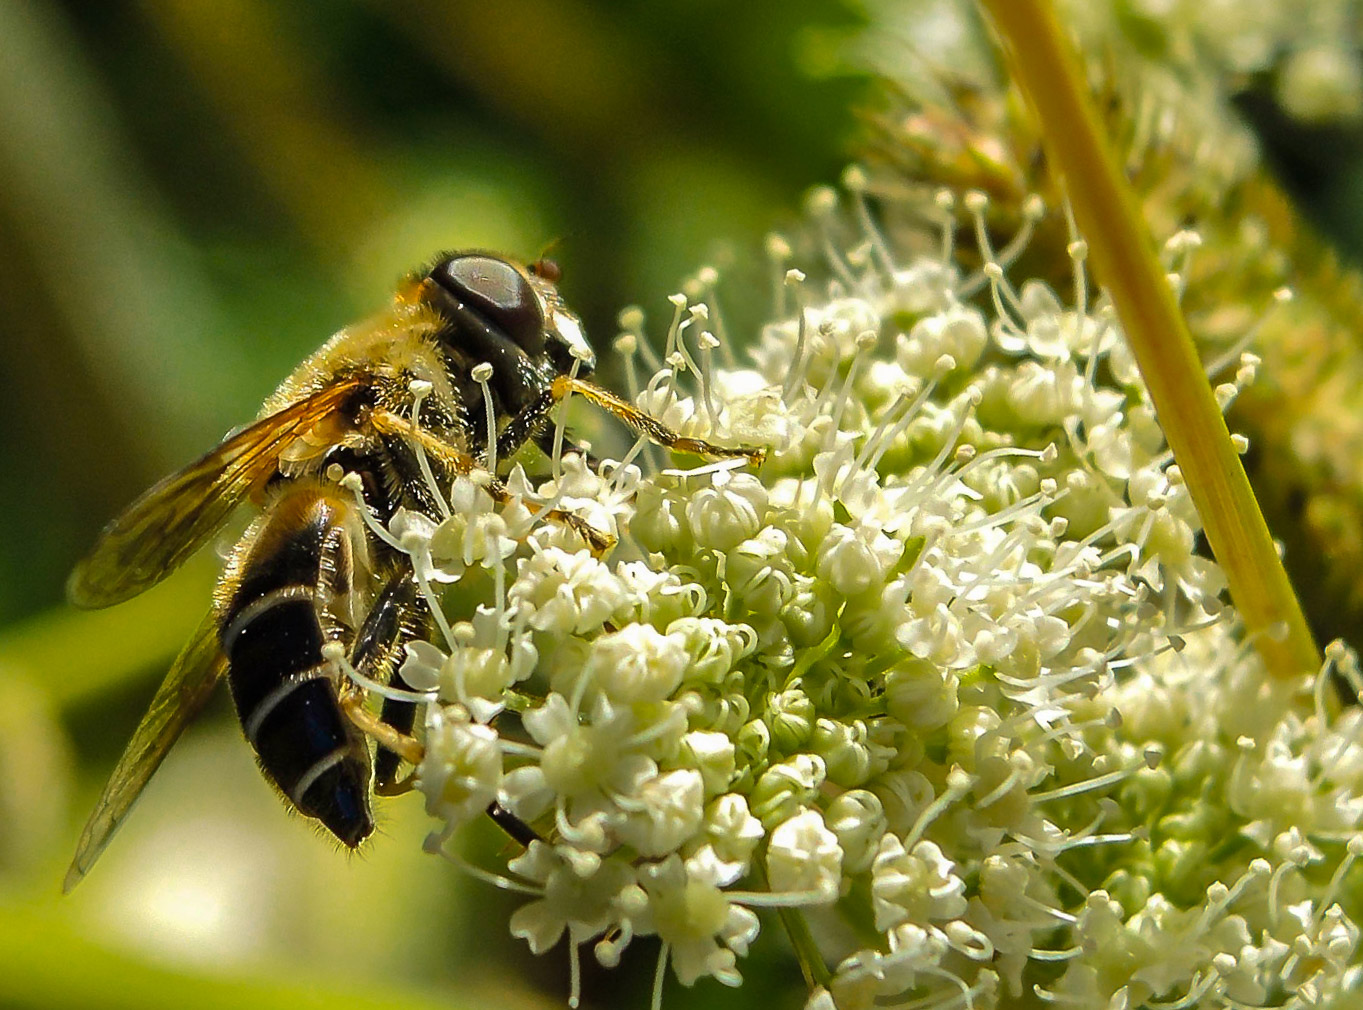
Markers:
<point>1309,49</point>
<point>950,661</point>
<point>1307,53</point>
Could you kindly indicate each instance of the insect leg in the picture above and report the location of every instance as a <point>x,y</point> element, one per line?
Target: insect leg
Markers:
<point>648,425</point>
<point>409,748</point>
<point>456,461</point>
<point>412,751</point>
<point>398,616</point>
<point>528,423</point>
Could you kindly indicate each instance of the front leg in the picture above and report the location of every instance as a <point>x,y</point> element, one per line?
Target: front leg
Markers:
<point>531,421</point>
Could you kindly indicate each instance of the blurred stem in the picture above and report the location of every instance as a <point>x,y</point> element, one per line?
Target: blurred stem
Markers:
<point>103,252</point>
<point>1048,72</point>
<point>42,949</point>
<point>268,87</point>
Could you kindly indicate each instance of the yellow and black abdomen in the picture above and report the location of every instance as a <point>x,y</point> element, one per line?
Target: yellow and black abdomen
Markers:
<point>277,603</point>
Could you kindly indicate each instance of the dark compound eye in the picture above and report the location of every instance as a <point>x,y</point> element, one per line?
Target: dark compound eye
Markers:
<point>499,293</point>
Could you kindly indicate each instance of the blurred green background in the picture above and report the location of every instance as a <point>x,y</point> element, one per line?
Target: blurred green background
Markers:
<point>193,195</point>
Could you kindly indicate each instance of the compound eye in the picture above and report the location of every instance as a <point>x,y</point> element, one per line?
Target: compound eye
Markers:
<point>499,293</point>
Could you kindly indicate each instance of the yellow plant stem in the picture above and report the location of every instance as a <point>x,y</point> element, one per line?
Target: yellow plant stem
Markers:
<point>1124,260</point>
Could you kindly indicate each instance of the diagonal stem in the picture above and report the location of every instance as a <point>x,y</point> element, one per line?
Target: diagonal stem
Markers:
<point>1048,72</point>
<point>812,964</point>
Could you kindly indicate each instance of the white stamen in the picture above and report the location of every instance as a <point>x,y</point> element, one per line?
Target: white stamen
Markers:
<point>561,422</point>
<point>354,483</point>
<point>420,389</point>
<point>435,846</point>
<point>481,373</point>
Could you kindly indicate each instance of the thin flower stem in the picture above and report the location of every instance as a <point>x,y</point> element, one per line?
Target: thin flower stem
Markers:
<point>812,964</point>
<point>1048,72</point>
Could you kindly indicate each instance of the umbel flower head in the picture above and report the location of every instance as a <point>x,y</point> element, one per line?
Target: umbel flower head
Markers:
<point>946,674</point>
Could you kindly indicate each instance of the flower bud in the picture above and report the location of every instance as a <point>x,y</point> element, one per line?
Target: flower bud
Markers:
<point>713,646</point>
<point>810,615</point>
<point>844,751</point>
<point>785,787</point>
<point>636,664</point>
<point>854,559</point>
<point>759,574</point>
<point>724,515</point>
<point>804,856</point>
<point>659,522</point>
<point>858,819</point>
<point>712,754</point>
<point>920,695</point>
<point>790,714</point>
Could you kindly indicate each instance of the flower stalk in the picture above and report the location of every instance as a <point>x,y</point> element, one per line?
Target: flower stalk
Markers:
<point>1048,72</point>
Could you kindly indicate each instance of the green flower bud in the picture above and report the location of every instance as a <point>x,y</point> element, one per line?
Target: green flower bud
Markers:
<point>858,819</point>
<point>786,787</point>
<point>790,714</point>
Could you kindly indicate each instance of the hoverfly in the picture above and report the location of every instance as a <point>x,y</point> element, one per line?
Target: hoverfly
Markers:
<point>308,575</point>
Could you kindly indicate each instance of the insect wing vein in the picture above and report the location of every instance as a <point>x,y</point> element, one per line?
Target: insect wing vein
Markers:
<point>184,692</point>
<point>170,521</point>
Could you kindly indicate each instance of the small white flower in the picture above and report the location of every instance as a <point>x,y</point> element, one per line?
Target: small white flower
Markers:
<point>581,767</point>
<point>855,559</point>
<point>732,833</point>
<point>423,665</point>
<point>713,755</point>
<point>704,931</point>
<point>583,903</point>
<point>728,512</point>
<point>569,593</point>
<point>958,332</point>
<point>858,820</point>
<point>636,664</point>
<point>663,812</point>
<point>415,531</point>
<point>473,534</point>
<point>804,857</point>
<point>461,769</point>
<point>919,886</point>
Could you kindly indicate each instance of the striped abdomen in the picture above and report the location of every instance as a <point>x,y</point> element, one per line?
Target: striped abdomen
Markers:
<point>272,625</point>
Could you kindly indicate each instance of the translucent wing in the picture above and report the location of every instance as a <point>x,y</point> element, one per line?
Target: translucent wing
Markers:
<point>186,689</point>
<point>168,523</point>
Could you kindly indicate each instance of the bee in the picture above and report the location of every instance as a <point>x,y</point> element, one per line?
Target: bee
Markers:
<point>362,424</point>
